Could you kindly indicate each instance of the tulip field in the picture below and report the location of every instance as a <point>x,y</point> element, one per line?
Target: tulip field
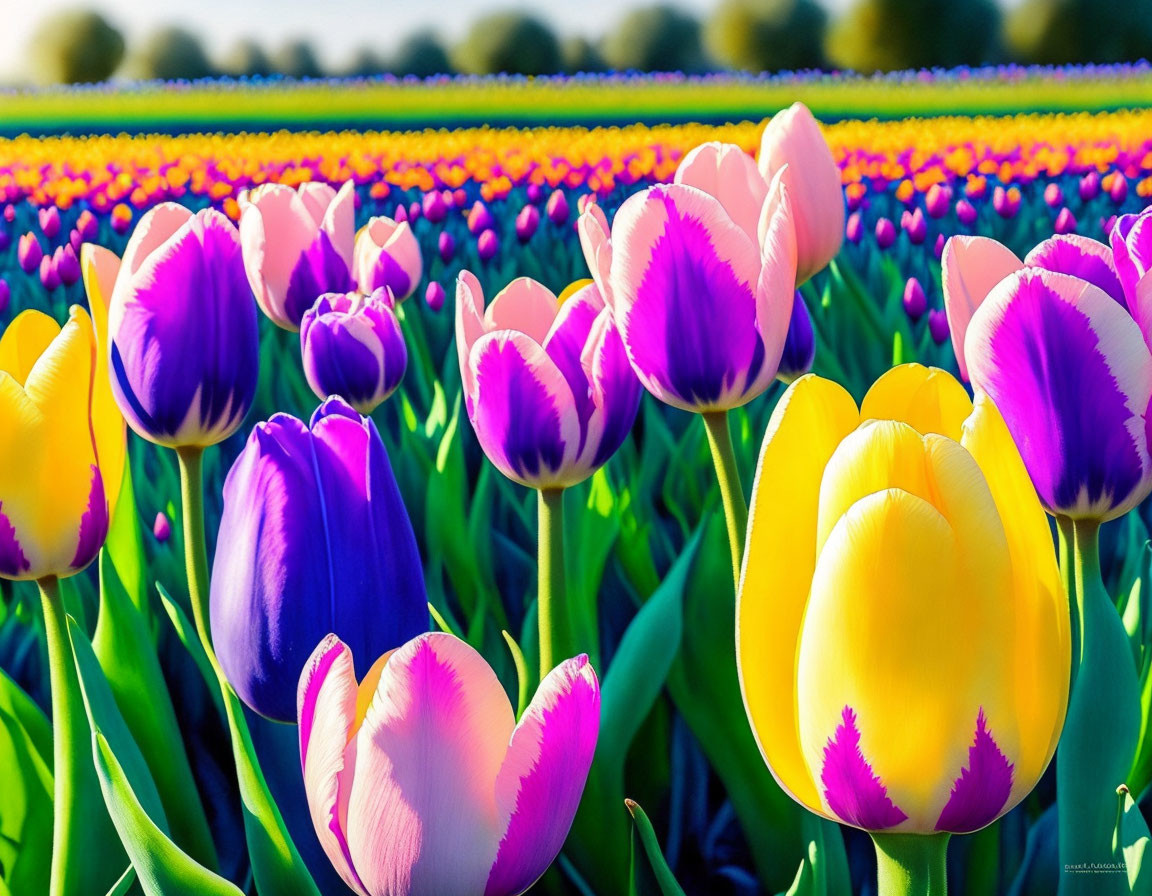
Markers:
<point>487,505</point>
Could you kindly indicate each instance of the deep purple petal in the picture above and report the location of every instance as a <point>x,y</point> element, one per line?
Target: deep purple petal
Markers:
<point>983,787</point>
<point>1131,240</point>
<point>852,790</point>
<point>616,389</point>
<point>13,563</point>
<point>387,271</point>
<point>565,346</point>
<point>93,524</point>
<point>1080,257</point>
<point>320,269</point>
<point>800,346</point>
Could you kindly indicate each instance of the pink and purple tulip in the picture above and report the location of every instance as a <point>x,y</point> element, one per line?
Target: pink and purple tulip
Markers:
<point>800,346</point>
<point>548,387</point>
<point>885,233</point>
<point>434,296</point>
<point>966,213</point>
<point>352,346</point>
<point>488,245</point>
<point>435,788</point>
<point>700,276</point>
<point>87,226</point>
<point>527,222</point>
<point>49,219</point>
<point>182,329</point>
<point>435,208</point>
<point>446,246</point>
<point>1065,222</point>
<point>297,246</point>
<point>557,208</point>
<point>938,200</point>
<point>480,218</point>
<point>1118,192</point>
<point>5,295</point>
<point>854,229</point>
<point>914,225</point>
<point>29,253</point>
<point>314,538</point>
<point>49,276</point>
<point>915,302</point>
<point>1131,239</point>
<point>67,265</point>
<point>1089,186</point>
<point>938,325</point>
<point>161,527</point>
<point>1006,202</point>
<point>387,254</point>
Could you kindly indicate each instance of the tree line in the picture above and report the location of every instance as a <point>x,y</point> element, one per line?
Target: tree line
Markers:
<point>76,46</point>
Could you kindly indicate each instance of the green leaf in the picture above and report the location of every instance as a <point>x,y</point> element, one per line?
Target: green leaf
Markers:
<point>1130,843</point>
<point>523,679</point>
<point>26,770</point>
<point>125,547</point>
<point>186,632</point>
<point>122,886</point>
<point>824,870</point>
<point>664,876</point>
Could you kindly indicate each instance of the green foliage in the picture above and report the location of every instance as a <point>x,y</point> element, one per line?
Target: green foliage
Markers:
<point>581,55</point>
<point>510,42</point>
<point>656,38</point>
<point>421,54</point>
<point>74,46</point>
<point>886,35</point>
<point>246,58</point>
<point>1060,31</point>
<point>170,54</point>
<point>297,59</point>
<point>767,35</point>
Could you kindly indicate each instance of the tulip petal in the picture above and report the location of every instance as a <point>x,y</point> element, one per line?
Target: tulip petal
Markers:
<point>24,340</point>
<point>422,819</point>
<point>469,323</point>
<point>810,420</point>
<point>317,197</point>
<point>596,244</point>
<point>339,222</point>
<point>155,228</point>
<point>851,789</point>
<point>615,390</point>
<point>543,775</point>
<point>728,173</point>
<point>524,305</point>
<point>979,794</point>
<point>1070,373</point>
<point>926,398</point>
<point>1079,256</point>
<point>1131,240</point>
<point>326,712</point>
<point>276,229</point>
<point>970,267</point>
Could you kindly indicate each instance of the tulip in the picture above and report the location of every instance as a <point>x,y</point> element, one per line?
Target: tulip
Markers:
<point>421,782</point>
<point>1118,192</point>
<point>792,143</point>
<point>1006,202</point>
<point>29,253</point>
<point>915,302</point>
<point>5,295</point>
<point>49,276</point>
<point>66,264</point>
<point>87,226</point>
<point>182,329</point>
<point>435,207</point>
<point>854,230</point>
<point>800,345</point>
<point>387,254</point>
<point>557,208</point>
<point>965,213</point>
<point>49,219</point>
<point>938,200</point>
<point>352,346</point>
<point>1089,186</point>
<point>413,211</point>
<point>446,246</point>
<point>9,213</point>
<point>1131,239</point>
<point>938,246</point>
<point>434,296</point>
<point>1053,195</point>
<point>297,246</point>
<point>938,326</point>
<point>885,233</point>
<point>527,222</point>
<point>479,218</point>
<point>913,224</point>
<point>75,241</point>
<point>121,217</point>
<point>535,193</point>
<point>903,540</point>
<point>487,245</point>
<point>161,527</point>
<point>313,539</point>
<point>1065,222</point>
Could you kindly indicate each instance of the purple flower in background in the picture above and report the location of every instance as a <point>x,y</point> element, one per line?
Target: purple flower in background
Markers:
<point>49,276</point>
<point>915,302</point>
<point>938,200</point>
<point>1006,202</point>
<point>535,193</point>
<point>548,387</point>
<point>434,296</point>
<point>1118,192</point>
<point>938,326</point>
<point>5,295</point>
<point>352,346</point>
<point>182,329</point>
<point>527,222</point>
<point>1053,195</point>
<point>49,219</point>
<point>435,208</point>
<point>1065,221</point>
<point>854,229</point>
<point>387,254</point>
<point>913,224</point>
<point>965,213</point>
<point>314,538</point>
<point>87,226</point>
<point>487,245</point>
<point>885,233</point>
<point>1089,186</point>
<point>161,527</point>
<point>557,208</point>
<point>297,246</point>
<point>67,265</point>
<point>446,246</point>
<point>800,345</point>
<point>29,253</point>
<point>480,219</point>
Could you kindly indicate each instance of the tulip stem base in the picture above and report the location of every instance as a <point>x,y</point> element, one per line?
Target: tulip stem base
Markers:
<point>195,550</point>
<point>731,492</point>
<point>911,864</point>
<point>551,604</point>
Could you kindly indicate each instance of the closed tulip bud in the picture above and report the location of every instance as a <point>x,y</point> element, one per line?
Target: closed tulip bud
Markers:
<point>535,193</point>
<point>1089,186</point>
<point>9,213</point>
<point>49,219</point>
<point>965,213</point>
<point>434,296</point>
<point>400,213</point>
<point>479,218</point>
<point>1106,224</point>
<point>1054,195</point>
<point>915,302</point>
<point>938,246</point>
<point>446,246</point>
<point>1006,202</point>
<point>87,226</point>
<point>1065,221</point>
<point>66,264</point>
<point>527,222</point>
<point>904,540</point>
<point>547,386</point>
<point>460,197</point>
<point>62,450</point>
<point>938,325</point>
<point>1118,192</point>
<point>314,538</point>
<point>557,208</point>
<point>487,245</point>
<point>387,254</point>
<point>75,241</point>
<point>885,233</point>
<point>297,246</point>
<point>792,143</point>
<point>800,346</point>
<point>121,217</point>
<point>414,211</point>
<point>352,346</point>
<point>161,527</point>
<point>938,200</point>
<point>854,230</point>
<point>976,187</point>
<point>184,347</point>
<point>29,253</point>
<point>913,224</point>
<point>49,276</point>
<point>435,208</point>
<point>448,794</point>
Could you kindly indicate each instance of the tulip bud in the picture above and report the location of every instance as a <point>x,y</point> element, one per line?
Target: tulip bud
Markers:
<point>87,226</point>
<point>557,207</point>
<point>535,193</point>
<point>479,218</point>
<point>446,245</point>
<point>1089,186</point>
<point>387,254</point>
<point>488,245</point>
<point>965,213</point>
<point>49,276</point>
<point>938,246</point>
<point>67,265</point>
<point>913,224</point>
<point>435,208</point>
<point>915,302</point>
<point>938,200</point>
<point>29,253</point>
<point>434,296</point>
<point>527,222</point>
<point>885,233</point>
<point>1053,195</point>
<point>1006,202</point>
<point>121,218</point>
<point>459,197</point>
<point>400,213</point>
<point>49,221</point>
<point>9,213</point>
<point>854,229</point>
<point>938,325</point>
<point>161,527</point>
<point>5,295</point>
<point>1065,221</point>
<point>1118,192</point>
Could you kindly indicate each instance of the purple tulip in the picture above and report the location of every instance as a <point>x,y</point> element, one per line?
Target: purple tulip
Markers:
<point>938,326</point>
<point>548,387</point>
<point>913,224</point>
<point>1106,224</point>
<point>966,213</point>
<point>1089,186</point>
<point>49,276</point>
<point>161,527</point>
<point>29,253</point>
<point>352,346</point>
<point>938,246</point>
<point>885,233</point>
<point>75,242</point>
<point>435,208</point>
<point>1006,202</point>
<point>5,295</point>
<point>1131,238</point>
<point>182,329</point>
<point>1118,192</point>
<point>400,213</point>
<point>414,211</point>
<point>535,193</point>
<point>49,221</point>
<point>557,208</point>
<point>1065,221</point>
<point>434,296</point>
<point>446,246</point>
<point>67,265</point>
<point>1053,195</point>
<point>480,219</point>
<point>388,254</point>
<point>527,222</point>
<point>938,200</point>
<point>854,228</point>
<point>9,213</point>
<point>314,539</point>
<point>915,302</point>
<point>87,226</point>
<point>800,344</point>
<point>487,245</point>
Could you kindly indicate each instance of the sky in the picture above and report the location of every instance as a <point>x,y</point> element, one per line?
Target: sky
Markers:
<point>336,27</point>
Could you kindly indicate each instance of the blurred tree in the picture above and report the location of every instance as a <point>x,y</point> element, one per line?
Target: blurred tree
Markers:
<point>364,63</point>
<point>168,54</point>
<point>581,55</point>
<point>297,59</point>
<point>767,35</point>
<point>1061,31</point>
<point>656,38</point>
<point>246,57</point>
<point>421,54</point>
<point>885,35</point>
<point>511,42</point>
<point>74,46</point>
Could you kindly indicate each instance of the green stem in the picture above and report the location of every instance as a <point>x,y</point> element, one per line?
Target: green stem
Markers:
<point>195,547</point>
<point>551,603</point>
<point>911,864</point>
<point>1066,538</point>
<point>1101,729</point>
<point>731,492</point>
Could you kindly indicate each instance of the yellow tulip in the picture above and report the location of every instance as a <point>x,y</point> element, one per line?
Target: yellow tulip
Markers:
<point>62,445</point>
<point>902,628</point>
